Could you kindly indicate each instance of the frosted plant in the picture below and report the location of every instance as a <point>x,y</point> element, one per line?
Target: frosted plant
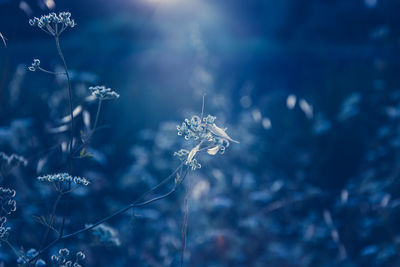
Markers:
<point>209,136</point>
<point>63,178</point>
<point>52,23</point>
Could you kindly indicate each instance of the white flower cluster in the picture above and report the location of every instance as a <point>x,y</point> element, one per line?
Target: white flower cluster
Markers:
<point>210,137</point>
<point>52,23</point>
<point>64,259</point>
<point>63,177</point>
<point>35,65</point>
<point>103,93</point>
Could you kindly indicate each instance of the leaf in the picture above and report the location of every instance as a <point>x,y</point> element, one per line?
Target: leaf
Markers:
<point>193,153</point>
<point>4,39</point>
<point>85,154</point>
<point>42,220</point>
<point>220,132</point>
<point>177,178</point>
<point>213,151</point>
<point>82,153</point>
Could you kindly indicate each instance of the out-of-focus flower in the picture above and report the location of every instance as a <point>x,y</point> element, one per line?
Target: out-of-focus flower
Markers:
<point>103,93</point>
<point>63,177</point>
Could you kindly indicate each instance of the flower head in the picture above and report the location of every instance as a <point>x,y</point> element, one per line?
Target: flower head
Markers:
<point>52,23</point>
<point>35,65</point>
<point>64,258</point>
<point>103,93</point>
<point>63,177</point>
<point>209,136</point>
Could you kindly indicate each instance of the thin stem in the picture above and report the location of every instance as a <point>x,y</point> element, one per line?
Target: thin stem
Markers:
<point>72,123</point>
<point>97,116</point>
<point>17,253</point>
<point>51,72</point>
<point>185,223</point>
<point>202,108</point>
<point>52,217</point>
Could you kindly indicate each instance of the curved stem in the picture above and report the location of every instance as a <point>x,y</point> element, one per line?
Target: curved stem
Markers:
<point>16,252</point>
<point>119,212</point>
<point>72,122</point>
<point>97,116</point>
<point>52,218</point>
<point>51,72</point>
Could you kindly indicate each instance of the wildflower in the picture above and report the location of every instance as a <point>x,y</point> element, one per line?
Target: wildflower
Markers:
<point>207,133</point>
<point>63,177</point>
<point>103,93</point>
<point>64,259</point>
<point>35,65</point>
<point>52,23</point>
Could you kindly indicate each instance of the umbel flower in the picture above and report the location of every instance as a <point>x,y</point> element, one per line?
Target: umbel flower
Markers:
<point>52,23</point>
<point>35,65</point>
<point>64,258</point>
<point>63,177</point>
<point>103,93</point>
<point>209,136</point>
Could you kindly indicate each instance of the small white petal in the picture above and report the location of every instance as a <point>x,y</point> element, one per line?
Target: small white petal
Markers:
<point>221,133</point>
<point>213,151</point>
<point>193,153</point>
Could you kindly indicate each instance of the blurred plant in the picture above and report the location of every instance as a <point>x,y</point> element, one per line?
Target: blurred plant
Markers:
<point>106,235</point>
<point>203,132</point>
<point>3,39</point>
<point>62,259</point>
<point>7,163</point>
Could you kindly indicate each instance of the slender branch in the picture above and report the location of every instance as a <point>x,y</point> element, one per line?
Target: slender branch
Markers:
<point>16,252</point>
<point>202,108</point>
<point>97,116</point>
<point>185,223</point>
<point>51,72</point>
<point>72,123</point>
<point>86,141</point>
<point>119,212</point>
<point>52,217</point>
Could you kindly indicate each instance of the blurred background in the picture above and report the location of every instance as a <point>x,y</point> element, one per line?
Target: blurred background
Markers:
<point>310,88</point>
